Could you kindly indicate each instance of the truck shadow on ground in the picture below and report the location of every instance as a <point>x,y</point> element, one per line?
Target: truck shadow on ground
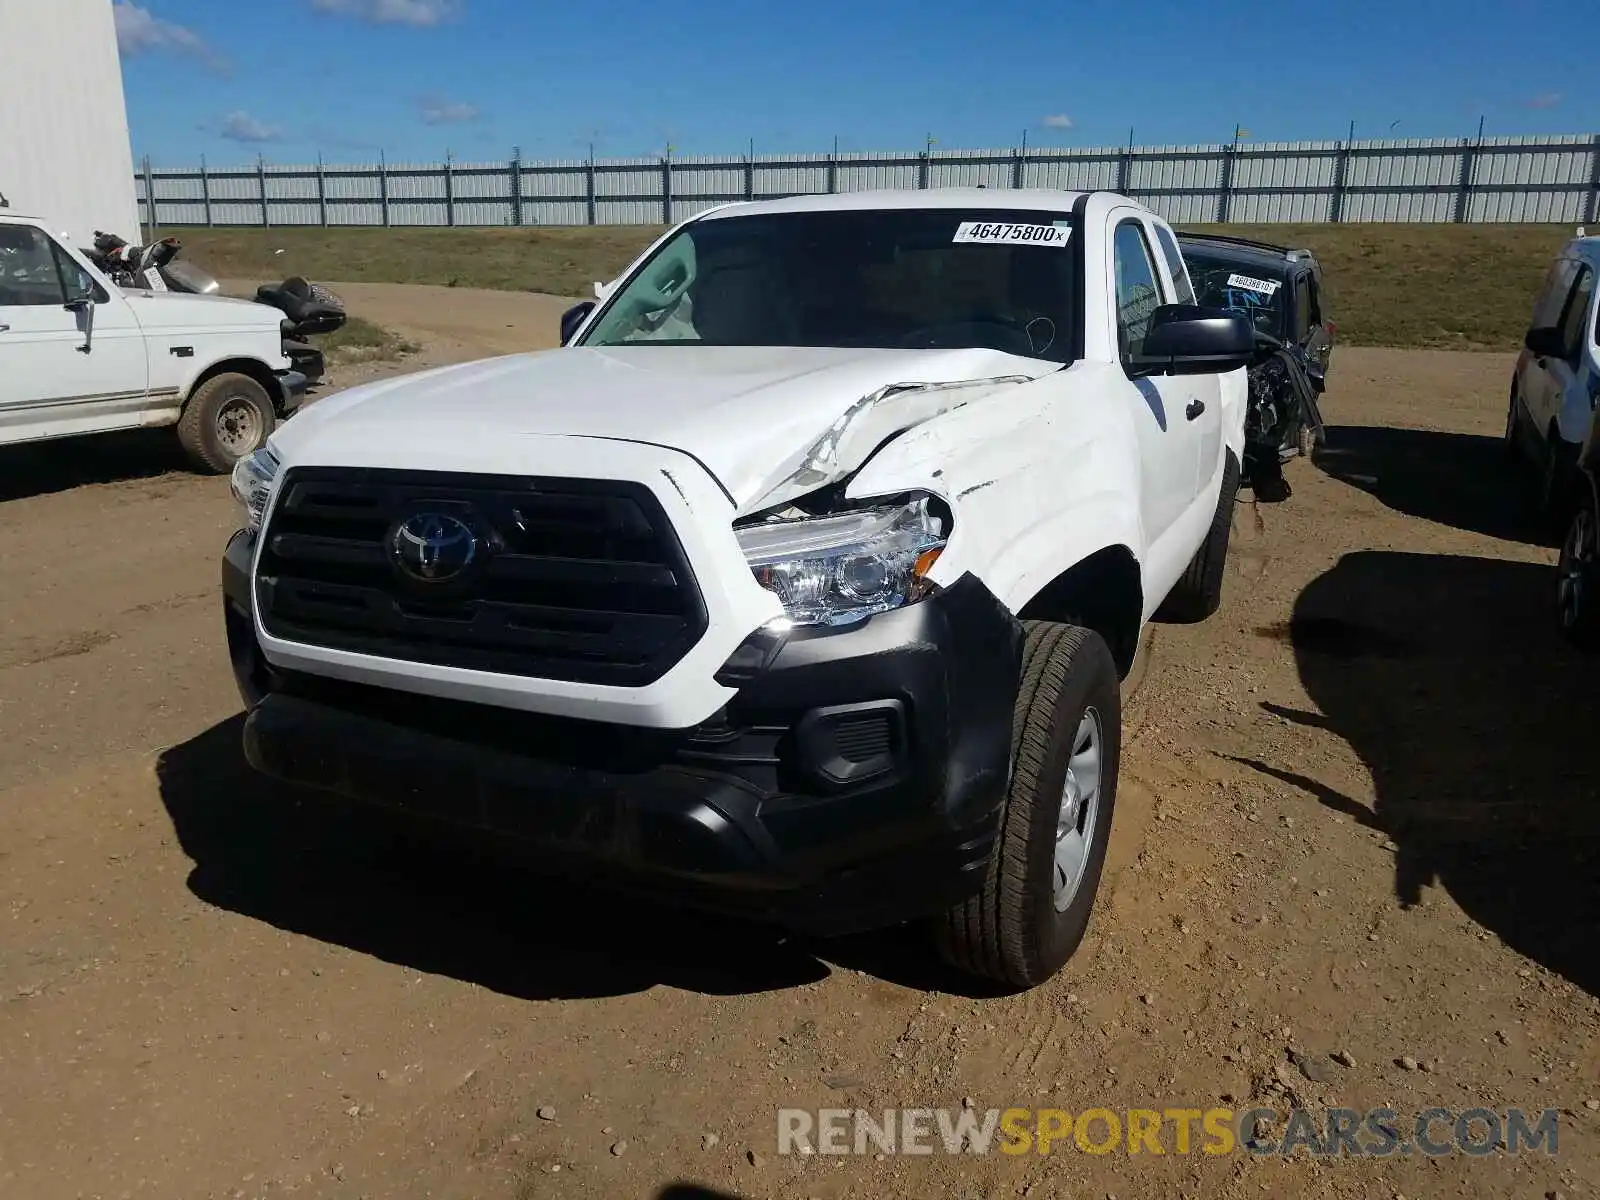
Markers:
<point>431,900</point>
<point>39,468</point>
<point>1447,675</point>
<point>1462,480</point>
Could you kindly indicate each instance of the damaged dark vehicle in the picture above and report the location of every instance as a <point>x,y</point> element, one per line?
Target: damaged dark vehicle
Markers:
<point>1280,290</point>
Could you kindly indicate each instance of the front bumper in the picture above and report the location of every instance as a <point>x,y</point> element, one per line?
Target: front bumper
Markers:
<point>855,782</point>
<point>292,387</point>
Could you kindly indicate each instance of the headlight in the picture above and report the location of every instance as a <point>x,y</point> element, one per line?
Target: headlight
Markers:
<point>836,569</point>
<point>253,477</point>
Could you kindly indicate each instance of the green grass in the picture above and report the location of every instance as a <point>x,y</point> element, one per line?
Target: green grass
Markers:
<point>359,340</point>
<point>1454,286</point>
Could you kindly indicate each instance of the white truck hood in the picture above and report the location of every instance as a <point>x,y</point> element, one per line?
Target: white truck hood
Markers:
<point>769,423</point>
<point>174,312</point>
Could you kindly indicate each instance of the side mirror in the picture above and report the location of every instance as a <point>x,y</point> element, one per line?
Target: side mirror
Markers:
<point>83,303</point>
<point>1185,339</point>
<point>573,318</point>
<point>1545,342</point>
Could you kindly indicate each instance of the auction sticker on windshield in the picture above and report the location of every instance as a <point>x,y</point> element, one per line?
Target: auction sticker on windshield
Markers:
<point>1267,287</point>
<point>991,232</point>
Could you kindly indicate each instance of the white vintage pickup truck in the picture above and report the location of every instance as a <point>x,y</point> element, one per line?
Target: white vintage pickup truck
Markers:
<point>798,584</point>
<point>80,355</point>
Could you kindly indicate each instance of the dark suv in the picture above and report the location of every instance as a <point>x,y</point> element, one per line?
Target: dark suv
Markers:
<point>1280,290</point>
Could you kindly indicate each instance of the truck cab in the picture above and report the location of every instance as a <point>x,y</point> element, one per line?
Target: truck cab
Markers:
<point>79,355</point>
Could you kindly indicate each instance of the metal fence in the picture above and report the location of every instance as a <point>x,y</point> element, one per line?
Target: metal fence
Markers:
<point>1529,179</point>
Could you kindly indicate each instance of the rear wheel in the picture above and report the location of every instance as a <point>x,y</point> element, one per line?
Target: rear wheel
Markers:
<point>229,416</point>
<point>1045,866</point>
<point>1577,599</point>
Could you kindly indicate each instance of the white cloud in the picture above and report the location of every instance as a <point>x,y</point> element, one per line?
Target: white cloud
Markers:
<point>420,13</point>
<point>240,126</point>
<point>436,110</point>
<point>1544,100</point>
<point>1057,121</point>
<point>139,30</point>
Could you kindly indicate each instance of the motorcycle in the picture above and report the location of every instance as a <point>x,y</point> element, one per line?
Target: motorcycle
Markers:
<point>309,309</point>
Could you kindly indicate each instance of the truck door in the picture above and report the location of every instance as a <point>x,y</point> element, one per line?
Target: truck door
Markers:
<point>1168,446</point>
<point>1206,423</point>
<point>59,374</point>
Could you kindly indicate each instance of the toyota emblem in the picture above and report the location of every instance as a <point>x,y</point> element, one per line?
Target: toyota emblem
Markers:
<point>433,547</point>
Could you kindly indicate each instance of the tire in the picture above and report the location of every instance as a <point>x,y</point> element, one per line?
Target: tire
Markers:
<point>1198,592</point>
<point>1578,579</point>
<point>1029,918</point>
<point>1305,441</point>
<point>228,416</point>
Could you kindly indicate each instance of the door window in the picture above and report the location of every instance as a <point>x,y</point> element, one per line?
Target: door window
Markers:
<point>1138,292</point>
<point>1183,289</point>
<point>1576,316</point>
<point>30,274</point>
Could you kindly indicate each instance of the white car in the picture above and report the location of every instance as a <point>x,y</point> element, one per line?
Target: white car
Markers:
<point>80,355</point>
<point>797,585</point>
<point>1557,380</point>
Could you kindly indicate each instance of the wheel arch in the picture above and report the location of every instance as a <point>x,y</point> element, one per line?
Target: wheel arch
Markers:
<point>251,368</point>
<point>1103,592</point>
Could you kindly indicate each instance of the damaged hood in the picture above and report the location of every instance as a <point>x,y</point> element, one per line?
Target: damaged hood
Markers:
<point>771,423</point>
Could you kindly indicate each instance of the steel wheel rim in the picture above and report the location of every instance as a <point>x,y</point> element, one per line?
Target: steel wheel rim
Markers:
<point>1079,813</point>
<point>1577,551</point>
<point>238,425</point>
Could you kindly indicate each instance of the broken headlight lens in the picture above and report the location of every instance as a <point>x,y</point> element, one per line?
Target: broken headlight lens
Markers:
<point>252,482</point>
<point>841,568</point>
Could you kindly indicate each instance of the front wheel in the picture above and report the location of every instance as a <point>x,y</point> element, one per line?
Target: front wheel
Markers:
<point>1576,598</point>
<point>228,417</point>
<point>1044,868</point>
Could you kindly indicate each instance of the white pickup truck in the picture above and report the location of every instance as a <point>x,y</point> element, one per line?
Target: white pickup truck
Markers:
<point>797,584</point>
<point>80,355</point>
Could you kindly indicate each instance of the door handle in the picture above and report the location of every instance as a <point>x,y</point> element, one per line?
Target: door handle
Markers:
<point>1196,407</point>
<point>5,329</point>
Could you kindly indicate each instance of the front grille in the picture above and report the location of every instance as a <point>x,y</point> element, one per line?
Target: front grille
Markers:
<point>574,579</point>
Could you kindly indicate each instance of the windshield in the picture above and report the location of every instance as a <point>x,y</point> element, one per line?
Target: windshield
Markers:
<point>996,279</point>
<point>1219,284</point>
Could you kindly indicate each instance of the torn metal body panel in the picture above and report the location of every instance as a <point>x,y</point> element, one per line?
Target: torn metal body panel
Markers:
<point>864,426</point>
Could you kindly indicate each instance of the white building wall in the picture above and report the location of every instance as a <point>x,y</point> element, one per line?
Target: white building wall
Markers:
<point>64,149</point>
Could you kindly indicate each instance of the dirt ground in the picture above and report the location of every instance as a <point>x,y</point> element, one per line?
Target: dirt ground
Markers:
<point>1355,816</point>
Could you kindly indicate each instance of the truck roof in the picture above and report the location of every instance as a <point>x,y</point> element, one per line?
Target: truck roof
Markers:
<point>1015,199</point>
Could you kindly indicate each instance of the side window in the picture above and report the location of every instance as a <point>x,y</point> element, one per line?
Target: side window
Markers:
<point>1314,313</point>
<point>75,281</point>
<point>29,275</point>
<point>1302,307</point>
<point>1175,267</point>
<point>1577,312</point>
<point>1547,308</point>
<point>1138,293</point>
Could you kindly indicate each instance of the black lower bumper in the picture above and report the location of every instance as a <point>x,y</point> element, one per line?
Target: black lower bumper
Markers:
<point>292,387</point>
<point>854,783</point>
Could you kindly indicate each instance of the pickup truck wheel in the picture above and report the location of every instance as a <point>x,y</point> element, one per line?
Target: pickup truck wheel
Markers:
<point>227,417</point>
<point>1045,866</point>
<point>1198,592</point>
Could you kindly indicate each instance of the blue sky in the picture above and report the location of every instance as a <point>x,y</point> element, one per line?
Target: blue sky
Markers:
<point>414,78</point>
